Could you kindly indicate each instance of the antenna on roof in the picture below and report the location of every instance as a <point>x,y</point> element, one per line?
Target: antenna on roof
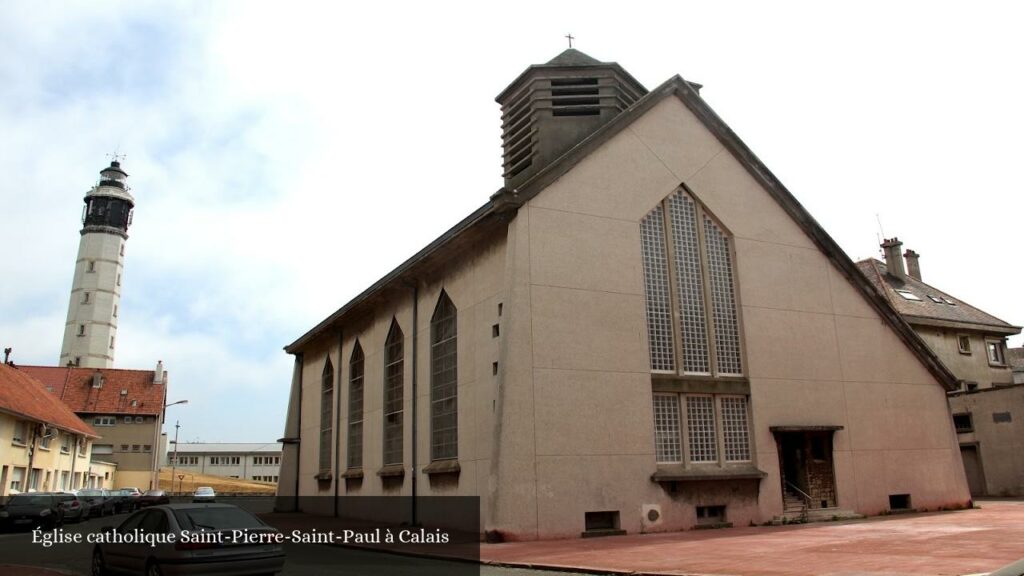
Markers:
<point>880,236</point>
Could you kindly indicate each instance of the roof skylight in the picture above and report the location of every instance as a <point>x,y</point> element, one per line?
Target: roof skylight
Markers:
<point>908,295</point>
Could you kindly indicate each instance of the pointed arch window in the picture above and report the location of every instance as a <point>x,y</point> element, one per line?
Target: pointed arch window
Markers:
<point>689,284</point>
<point>394,374</point>
<point>444,418</point>
<point>326,414</point>
<point>355,407</point>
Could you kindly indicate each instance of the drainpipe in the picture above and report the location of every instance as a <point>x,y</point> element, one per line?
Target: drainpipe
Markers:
<point>334,425</point>
<point>298,449</point>
<point>415,308</point>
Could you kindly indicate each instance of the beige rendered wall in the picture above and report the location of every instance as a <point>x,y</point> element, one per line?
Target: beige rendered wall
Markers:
<point>816,352</point>
<point>1000,444</point>
<point>51,463</point>
<point>475,286</point>
<point>973,367</point>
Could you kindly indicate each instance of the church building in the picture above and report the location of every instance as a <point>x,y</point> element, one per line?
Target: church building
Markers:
<point>642,330</point>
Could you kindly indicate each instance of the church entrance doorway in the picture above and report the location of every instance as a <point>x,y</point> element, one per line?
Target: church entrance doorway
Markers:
<point>806,467</point>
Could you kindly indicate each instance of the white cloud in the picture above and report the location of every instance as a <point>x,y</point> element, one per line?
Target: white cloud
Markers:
<point>285,157</point>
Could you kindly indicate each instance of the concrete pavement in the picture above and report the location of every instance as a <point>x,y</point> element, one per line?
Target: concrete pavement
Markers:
<point>940,543</point>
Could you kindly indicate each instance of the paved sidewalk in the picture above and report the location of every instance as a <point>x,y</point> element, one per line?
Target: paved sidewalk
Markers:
<point>940,543</point>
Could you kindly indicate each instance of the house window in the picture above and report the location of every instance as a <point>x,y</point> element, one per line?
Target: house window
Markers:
<point>20,432</point>
<point>690,290</point>
<point>326,414</point>
<point>115,310</point>
<point>17,476</point>
<point>85,298</point>
<point>355,407</point>
<point>45,441</point>
<point>963,423</point>
<point>92,266</point>
<point>394,350</point>
<point>81,329</point>
<point>963,342</point>
<point>136,447</point>
<point>705,415</point>
<point>127,419</point>
<point>139,419</point>
<point>65,444</point>
<point>118,279</point>
<point>444,416</point>
<point>124,447</point>
<point>995,352</point>
<point>103,421</point>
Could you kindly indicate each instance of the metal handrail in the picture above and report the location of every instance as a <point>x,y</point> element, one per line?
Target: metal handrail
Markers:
<point>807,497</point>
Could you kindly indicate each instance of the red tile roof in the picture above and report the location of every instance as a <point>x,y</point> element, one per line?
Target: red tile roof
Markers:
<point>27,397</point>
<point>75,387</point>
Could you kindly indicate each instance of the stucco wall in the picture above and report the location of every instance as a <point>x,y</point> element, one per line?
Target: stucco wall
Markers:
<point>973,367</point>
<point>474,283</point>
<point>816,353</point>
<point>998,417</point>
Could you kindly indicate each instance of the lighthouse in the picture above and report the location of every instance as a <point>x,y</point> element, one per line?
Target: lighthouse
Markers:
<point>90,334</point>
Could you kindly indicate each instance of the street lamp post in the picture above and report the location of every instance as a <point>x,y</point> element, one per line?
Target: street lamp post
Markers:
<point>155,482</point>
<point>174,460</point>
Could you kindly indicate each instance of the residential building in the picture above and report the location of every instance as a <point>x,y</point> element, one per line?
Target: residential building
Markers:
<point>90,332</point>
<point>43,444</point>
<point>247,461</point>
<point>972,344</point>
<point>642,330</point>
<point>124,407</point>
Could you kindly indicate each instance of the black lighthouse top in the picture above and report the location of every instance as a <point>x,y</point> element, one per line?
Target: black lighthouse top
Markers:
<point>109,204</point>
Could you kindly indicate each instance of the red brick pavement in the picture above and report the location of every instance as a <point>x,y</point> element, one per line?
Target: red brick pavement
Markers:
<point>940,543</point>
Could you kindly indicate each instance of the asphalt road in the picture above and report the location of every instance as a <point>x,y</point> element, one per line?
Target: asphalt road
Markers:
<point>303,559</point>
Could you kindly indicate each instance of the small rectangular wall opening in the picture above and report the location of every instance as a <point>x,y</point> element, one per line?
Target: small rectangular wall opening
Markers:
<point>603,523</point>
<point>710,515</point>
<point>899,502</point>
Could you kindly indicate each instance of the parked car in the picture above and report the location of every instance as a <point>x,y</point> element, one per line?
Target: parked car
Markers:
<point>100,501</point>
<point>75,509</point>
<point>204,494</point>
<point>152,498</point>
<point>197,554</point>
<point>125,499</point>
<point>35,510</point>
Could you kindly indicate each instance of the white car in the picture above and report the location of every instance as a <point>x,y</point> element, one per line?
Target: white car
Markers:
<point>204,494</point>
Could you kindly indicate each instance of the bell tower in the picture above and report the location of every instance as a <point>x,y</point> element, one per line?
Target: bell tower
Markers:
<point>91,328</point>
<point>552,107</point>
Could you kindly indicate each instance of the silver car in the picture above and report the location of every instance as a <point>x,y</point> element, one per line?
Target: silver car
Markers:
<point>204,494</point>
<point>193,539</point>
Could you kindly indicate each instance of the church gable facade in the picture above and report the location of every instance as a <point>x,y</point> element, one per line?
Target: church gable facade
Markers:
<point>645,334</point>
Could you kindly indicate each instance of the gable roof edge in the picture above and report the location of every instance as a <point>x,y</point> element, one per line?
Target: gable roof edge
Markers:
<point>680,88</point>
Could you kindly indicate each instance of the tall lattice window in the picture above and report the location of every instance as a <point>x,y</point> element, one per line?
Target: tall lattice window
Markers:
<point>667,442</point>
<point>444,416</point>
<point>690,290</point>
<point>326,414</point>
<point>659,310</point>
<point>355,407</point>
<point>393,394</point>
<point>700,425</point>
<point>735,431</point>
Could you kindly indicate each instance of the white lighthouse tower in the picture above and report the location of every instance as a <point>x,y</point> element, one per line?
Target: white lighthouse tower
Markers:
<point>90,335</point>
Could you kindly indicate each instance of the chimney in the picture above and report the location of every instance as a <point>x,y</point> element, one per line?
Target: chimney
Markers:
<point>158,374</point>
<point>913,266</point>
<point>893,258</point>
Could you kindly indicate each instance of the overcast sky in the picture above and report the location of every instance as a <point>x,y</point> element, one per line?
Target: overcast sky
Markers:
<point>283,156</point>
